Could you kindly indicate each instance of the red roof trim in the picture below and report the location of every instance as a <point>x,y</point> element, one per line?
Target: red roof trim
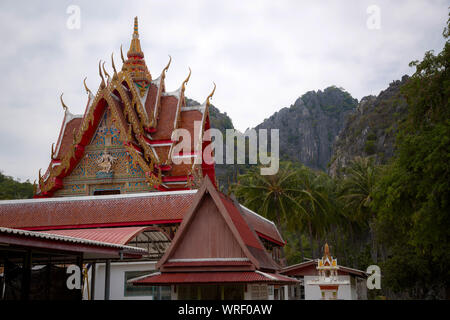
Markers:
<point>214,277</point>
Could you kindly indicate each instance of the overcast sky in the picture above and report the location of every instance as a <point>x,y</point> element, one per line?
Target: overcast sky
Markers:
<point>261,54</point>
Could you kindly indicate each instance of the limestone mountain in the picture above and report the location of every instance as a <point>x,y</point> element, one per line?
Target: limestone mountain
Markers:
<point>309,127</point>
<point>370,130</point>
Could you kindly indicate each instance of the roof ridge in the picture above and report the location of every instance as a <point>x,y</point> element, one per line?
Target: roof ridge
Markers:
<point>101,197</point>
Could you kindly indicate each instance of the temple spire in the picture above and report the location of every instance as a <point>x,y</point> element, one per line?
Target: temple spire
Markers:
<point>135,63</point>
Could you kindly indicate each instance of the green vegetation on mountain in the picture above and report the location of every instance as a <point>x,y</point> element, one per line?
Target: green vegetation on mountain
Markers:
<point>392,211</point>
<point>13,189</point>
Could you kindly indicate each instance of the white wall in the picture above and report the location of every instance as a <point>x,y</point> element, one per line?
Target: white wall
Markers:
<point>117,279</point>
<point>312,292</point>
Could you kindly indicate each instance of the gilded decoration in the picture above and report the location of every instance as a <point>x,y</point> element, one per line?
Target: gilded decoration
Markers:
<point>118,153</point>
<point>105,163</point>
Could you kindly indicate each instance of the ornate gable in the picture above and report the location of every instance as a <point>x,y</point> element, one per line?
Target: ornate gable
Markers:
<point>126,131</point>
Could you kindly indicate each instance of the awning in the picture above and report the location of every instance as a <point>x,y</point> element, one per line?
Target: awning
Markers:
<point>212,278</point>
<point>152,239</point>
<point>111,235</point>
<point>90,248</point>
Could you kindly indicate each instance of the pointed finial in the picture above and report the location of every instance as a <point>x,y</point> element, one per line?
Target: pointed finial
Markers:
<point>102,85</point>
<point>326,250</point>
<point>40,176</point>
<point>62,102</point>
<point>135,31</point>
<point>121,54</point>
<point>113,66</point>
<point>211,94</point>
<point>104,71</point>
<point>135,46</point>
<point>85,86</point>
<point>183,86</point>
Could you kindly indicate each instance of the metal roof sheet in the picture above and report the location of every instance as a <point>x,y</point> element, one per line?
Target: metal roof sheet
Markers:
<point>61,238</point>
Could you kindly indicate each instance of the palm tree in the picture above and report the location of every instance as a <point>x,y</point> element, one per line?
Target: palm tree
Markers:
<point>314,201</point>
<point>274,196</point>
<point>355,193</point>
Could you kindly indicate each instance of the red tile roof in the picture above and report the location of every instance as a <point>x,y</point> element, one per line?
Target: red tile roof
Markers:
<point>248,236</point>
<point>213,277</point>
<point>122,210</point>
<point>118,210</point>
<point>262,225</point>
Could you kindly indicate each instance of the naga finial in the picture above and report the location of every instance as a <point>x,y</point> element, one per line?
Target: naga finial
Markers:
<point>102,85</point>
<point>211,94</point>
<point>163,73</point>
<point>183,86</point>
<point>104,71</point>
<point>85,86</point>
<point>53,152</point>
<point>121,54</point>
<point>40,176</point>
<point>63,104</point>
<point>113,66</point>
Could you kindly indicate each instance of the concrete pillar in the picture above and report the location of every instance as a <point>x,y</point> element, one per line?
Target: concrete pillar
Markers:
<point>93,267</point>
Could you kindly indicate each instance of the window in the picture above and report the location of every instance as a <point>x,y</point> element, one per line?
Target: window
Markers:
<point>157,292</point>
<point>105,192</point>
<point>211,292</point>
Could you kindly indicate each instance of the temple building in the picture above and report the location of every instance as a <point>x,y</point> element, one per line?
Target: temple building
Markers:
<point>124,141</point>
<point>140,225</point>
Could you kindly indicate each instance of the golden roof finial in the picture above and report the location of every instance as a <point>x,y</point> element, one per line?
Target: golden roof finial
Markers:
<point>121,54</point>
<point>113,66</point>
<point>63,104</point>
<point>183,86</point>
<point>136,32</point>
<point>211,94</point>
<point>104,71</point>
<point>53,151</point>
<point>163,73</point>
<point>85,86</point>
<point>135,46</point>
<point>326,250</point>
<point>102,85</point>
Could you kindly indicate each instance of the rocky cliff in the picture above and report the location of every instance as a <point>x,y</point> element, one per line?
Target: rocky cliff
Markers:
<point>309,127</point>
<point>370,130</point>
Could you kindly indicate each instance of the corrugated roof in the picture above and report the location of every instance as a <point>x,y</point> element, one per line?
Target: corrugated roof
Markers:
<point>62,238</point>
<point>119,236</point>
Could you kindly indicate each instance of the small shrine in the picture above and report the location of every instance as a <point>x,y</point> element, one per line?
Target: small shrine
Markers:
<point>328,280</point>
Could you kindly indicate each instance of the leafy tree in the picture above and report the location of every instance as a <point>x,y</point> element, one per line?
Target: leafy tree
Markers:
<point>12,189</point>
<point>412,197</point>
